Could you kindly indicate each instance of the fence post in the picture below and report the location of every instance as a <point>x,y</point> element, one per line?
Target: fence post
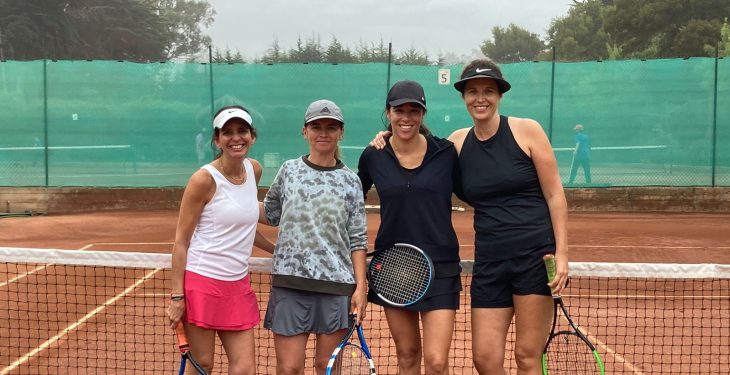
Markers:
<point>210,82</point>
<point>552,98</point>
<point>390,60</point>
<point>45,119</point>
<point>714,120</point>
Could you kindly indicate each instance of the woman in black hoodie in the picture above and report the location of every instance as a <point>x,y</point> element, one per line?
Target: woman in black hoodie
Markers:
<point>415,175</point>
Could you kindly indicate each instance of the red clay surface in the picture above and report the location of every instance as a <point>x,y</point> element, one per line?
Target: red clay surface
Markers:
<point>612,237</point>
<point>609,237</point>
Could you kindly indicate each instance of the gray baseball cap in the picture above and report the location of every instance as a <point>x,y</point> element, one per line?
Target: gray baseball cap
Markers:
<point>323,109</point>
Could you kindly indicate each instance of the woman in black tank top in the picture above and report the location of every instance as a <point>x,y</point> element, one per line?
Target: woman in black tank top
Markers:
<point>510,177</point>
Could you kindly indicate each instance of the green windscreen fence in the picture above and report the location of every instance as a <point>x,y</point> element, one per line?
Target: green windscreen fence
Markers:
<point>108,123</point>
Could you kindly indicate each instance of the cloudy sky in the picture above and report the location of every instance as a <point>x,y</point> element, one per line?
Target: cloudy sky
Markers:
<point>433,26</point>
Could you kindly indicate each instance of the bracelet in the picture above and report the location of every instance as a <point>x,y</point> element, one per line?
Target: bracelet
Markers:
<point>177,297</point>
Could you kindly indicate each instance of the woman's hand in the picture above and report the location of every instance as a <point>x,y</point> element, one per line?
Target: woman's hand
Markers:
<point>358,303</point>
<point>175,312</point>
<point>379,141</point>
<point>561,274</point>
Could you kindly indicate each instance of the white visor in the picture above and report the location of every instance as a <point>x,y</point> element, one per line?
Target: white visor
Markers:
<point>228,114</point>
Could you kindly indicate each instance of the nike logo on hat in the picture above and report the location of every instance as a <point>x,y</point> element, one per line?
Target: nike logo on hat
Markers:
<point>479,70</point>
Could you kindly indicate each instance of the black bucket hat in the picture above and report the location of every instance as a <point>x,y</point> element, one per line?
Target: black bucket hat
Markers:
<point>483,72</point>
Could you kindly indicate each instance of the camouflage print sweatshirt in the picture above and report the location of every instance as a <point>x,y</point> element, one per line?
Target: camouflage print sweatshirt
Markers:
<point>320,212</point>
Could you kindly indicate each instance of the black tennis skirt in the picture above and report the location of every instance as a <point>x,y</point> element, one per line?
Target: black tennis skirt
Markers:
<point>444,292</point>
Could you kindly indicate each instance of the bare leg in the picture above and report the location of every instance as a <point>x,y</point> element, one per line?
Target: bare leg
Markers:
<point>533,319</point>
<point>202,345</point>
<point>326,344</point>
<point>438,329</point>
<point>290,353</point>
<point>489,337</point>
<point>404,329</point>
<point>239,347</point>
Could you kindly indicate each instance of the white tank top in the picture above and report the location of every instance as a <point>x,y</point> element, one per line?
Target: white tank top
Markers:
<point>223,239</point>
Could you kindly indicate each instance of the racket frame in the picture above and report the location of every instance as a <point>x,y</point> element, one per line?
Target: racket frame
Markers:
<point>431,271</point>
<point>559,305</point>
<point>363,347</point>
<point>185,354</point>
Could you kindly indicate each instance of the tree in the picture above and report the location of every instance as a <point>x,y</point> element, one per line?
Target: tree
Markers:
<point>182,20</point>
<point>512,44</point>
<point>274,54</point>
<point>599,29</point>
<point>372,53</point>
<point>666,28</point>
<point>36,29</point>
<point>580,35</point>
<point>336,53</point>
<point>723,46</point>
<point>228,56</point>
<point>117,30</point>
<point>309,51</point>
<point>412,56</point>
<point>135,30</point>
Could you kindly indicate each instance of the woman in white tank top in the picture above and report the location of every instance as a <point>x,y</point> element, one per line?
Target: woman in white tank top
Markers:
<point>216,229</point>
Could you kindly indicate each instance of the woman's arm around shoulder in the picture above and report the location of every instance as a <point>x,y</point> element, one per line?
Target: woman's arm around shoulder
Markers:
<point>458,137</point>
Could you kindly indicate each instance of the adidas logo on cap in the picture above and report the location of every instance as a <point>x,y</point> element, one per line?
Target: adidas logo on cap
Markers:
<point>323,109</point>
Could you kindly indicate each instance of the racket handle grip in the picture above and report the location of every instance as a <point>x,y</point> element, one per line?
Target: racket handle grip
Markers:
<point>549,260</point>
<point>182,339</point>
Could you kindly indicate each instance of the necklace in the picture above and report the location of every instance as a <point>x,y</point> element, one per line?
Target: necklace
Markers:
<point>238,180</point>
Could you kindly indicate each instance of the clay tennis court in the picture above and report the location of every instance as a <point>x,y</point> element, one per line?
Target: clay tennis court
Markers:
<point>593,237</point>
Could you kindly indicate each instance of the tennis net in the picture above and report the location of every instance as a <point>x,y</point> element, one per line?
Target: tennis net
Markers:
<point>92,312</point>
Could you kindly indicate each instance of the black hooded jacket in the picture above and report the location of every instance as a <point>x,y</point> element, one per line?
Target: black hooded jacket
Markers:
<point>415,204</point>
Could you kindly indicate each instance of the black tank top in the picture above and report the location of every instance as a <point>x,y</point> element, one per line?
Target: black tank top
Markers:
<point>511,216</point>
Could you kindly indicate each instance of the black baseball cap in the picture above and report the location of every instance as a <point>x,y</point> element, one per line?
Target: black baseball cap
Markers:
<point>404,92</point>
<point>482,72</point>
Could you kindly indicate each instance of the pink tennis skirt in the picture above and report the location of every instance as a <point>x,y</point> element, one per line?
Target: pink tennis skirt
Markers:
<point>220,305</point>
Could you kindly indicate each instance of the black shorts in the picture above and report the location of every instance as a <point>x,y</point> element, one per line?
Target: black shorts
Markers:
<point>494,283</point>
<point>444,292</point>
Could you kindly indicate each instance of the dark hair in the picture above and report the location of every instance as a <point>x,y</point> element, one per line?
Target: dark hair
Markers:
<point>216,131</point>
<point>423,129</point>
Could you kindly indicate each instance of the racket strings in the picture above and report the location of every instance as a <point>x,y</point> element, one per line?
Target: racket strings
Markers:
<point>402,274</point>
<point>568,354</point>
<point>351,360</point>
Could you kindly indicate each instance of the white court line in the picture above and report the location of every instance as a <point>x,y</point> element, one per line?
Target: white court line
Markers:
<point>616,356</point>
<point>39,268</point>
<point>79,322</point>
<point>132,243</point>
<point>637,247</point>
<point>641,296</point>
<point>652,246</point>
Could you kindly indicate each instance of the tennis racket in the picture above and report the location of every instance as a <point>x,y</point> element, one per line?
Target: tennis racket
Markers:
<point>567,351</point>
<point>349,357</point>
<point>401,274</point>
<point>182,343</point>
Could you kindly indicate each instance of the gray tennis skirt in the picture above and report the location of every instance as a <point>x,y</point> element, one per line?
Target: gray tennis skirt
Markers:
<point>292,312</point>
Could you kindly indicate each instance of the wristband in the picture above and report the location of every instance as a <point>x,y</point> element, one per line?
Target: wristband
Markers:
<point>177,297</point>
